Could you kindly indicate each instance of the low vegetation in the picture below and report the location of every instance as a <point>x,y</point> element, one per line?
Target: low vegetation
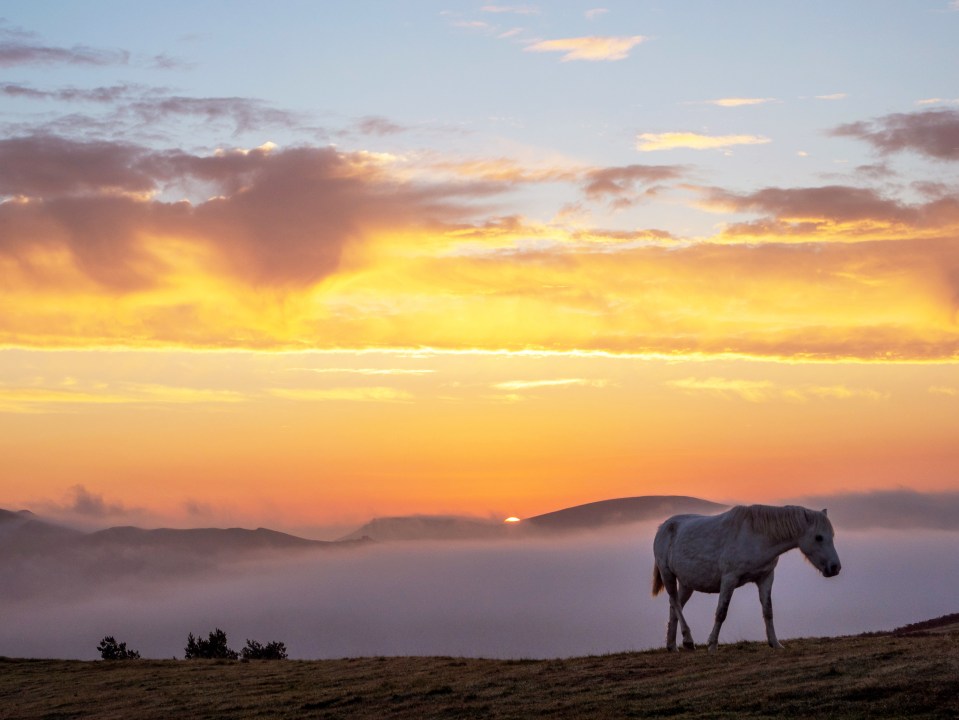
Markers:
<point>912,675</point>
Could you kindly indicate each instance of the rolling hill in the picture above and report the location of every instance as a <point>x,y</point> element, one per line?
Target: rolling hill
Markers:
<point>882,676</point>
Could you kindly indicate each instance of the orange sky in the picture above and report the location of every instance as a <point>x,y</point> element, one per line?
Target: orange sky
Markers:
<point>539,274</point>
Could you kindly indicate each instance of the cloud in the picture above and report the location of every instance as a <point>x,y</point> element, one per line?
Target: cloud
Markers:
<point>275,216</point>
<point>592,48</point>
<point>833,96</point>
<point>15,52</point>
<point>132,105</point>
<point>832,212</point>
<point>649,142</point>
<point>245,113</point>
<point>91,504</point>
<point>87,508</point>
<point>618,183</point>
<point>570,596</point>
<point>891,509</point>
<point>108,94</point>
<point>555,383</point>
<point>511,9</point>
<point>757,391</point>
<point>594,13</point>
<point>377,125</point>
<point>738,101</point>
<point>934,133</point>
<point>938,101</point>
<point>347,394</point>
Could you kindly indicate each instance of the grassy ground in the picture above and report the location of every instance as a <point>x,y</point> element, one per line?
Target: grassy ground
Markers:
<point>914,676</point>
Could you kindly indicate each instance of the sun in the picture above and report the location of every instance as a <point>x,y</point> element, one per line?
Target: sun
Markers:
<point>511,519</point>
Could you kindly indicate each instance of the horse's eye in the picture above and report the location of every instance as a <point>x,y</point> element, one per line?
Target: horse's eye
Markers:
<point>819,538</point>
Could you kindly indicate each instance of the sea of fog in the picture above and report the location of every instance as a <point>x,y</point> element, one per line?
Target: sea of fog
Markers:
<point>522,598</point>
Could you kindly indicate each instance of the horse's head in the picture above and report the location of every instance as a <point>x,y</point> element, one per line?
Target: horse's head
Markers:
<point>816,544</point>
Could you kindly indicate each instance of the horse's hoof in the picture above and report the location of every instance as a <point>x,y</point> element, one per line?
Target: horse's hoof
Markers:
<point>777,646</point>
<point>689,645</point>
<point>712,648</point>
<point>672,648</point>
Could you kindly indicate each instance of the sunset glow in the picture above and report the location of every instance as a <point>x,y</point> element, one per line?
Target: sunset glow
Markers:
<point>544,259</point>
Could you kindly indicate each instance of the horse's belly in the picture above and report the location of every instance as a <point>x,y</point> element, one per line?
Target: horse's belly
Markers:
<point>698,575</point>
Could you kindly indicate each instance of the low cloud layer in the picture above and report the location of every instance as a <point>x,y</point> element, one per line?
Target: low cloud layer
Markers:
<point>570,596</point>
<point>892,509</point>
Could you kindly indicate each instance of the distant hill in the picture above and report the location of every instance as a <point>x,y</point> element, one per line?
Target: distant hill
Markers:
<point>591,516</point>
<point>605,513</point>
<point>23,532</point>
<point>427,527</point>
<point>199,540</point>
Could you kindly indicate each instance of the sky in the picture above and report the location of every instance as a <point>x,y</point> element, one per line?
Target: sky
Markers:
<point>303,264</point>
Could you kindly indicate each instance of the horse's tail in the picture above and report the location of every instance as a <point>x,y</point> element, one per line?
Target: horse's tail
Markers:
<point>657,581</point>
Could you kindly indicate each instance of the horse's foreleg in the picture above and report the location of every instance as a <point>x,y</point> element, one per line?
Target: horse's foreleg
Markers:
<point>725,595</point>
<point>766,600</point>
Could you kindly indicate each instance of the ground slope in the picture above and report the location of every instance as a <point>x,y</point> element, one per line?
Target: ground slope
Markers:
<point>889,676</point>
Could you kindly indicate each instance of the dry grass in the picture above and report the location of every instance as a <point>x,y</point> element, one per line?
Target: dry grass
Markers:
<point>913,676</point>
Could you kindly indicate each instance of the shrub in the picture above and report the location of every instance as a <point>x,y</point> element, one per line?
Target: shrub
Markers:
<point>214,647</point>
<point>110,649</point>
<point>271,651</point>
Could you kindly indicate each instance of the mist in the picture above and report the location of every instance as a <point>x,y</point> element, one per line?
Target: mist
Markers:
<point>517,598</point>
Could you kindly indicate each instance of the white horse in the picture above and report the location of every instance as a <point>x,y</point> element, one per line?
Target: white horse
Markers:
<point>719,553</point>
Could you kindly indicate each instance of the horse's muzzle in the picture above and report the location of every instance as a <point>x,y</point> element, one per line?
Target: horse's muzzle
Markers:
<point>831,570</point>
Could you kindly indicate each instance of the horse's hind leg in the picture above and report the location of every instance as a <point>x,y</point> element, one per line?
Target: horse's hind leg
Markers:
<point>684,594</point>
<point>678,596</point>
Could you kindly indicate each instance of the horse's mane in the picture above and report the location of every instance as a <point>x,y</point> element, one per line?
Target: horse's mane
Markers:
<point>779,523</point>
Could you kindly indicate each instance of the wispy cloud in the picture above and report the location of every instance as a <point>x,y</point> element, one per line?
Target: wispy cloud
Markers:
<point>938,101</point>
<point>344,394</point>
<point>650,142</point>
<point>756,391</point>
<point>591,48</point>
<point>512,9</point>
<point>515,385</point>
<point>737,101</point>
<point>594,13</point>
<point>14,52</point>
<point>364,371</point>
<point>833,96</point>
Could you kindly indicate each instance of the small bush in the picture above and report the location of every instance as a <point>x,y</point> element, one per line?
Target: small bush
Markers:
<point>271,651</point>
<point>214,647</point>
<point>110,649</point>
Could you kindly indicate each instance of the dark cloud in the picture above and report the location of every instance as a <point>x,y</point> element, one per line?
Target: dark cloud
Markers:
<point>281,216</point>
<point>934,133</point>
<point>840,203</point>
<point>618,184</point>
<point>47,166</point>
<point>15,51</point>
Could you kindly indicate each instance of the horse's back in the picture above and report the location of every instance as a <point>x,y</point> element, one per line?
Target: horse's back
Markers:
<point>689,546</point>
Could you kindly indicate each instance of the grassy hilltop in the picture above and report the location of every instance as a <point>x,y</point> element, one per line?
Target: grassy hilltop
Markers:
<point>913,674</point>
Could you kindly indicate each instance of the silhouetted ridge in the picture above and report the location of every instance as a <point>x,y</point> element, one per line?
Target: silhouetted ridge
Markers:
<point>605,513</point>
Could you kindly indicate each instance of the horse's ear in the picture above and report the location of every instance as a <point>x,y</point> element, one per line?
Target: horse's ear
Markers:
<point>824,511</point>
